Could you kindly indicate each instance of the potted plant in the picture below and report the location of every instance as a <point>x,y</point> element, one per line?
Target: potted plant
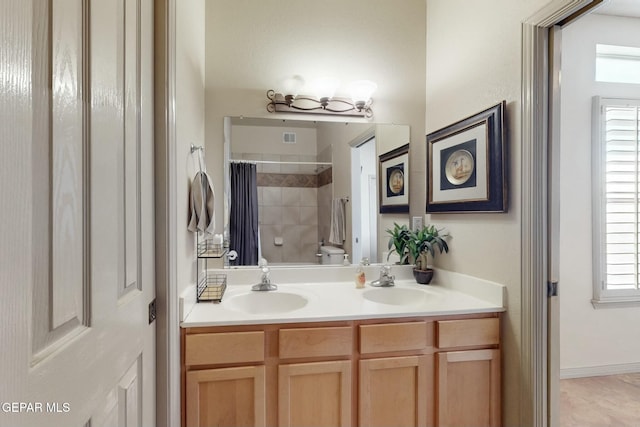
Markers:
<point>416,246</point>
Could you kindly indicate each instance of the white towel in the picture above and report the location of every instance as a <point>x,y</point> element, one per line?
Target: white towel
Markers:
<point>338,219</point>
<point>202,217</point>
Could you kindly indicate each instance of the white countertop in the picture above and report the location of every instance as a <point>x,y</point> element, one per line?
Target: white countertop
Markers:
<point>451,294</point>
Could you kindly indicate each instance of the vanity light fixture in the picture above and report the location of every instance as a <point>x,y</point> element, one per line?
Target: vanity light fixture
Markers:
<point>324,102</point>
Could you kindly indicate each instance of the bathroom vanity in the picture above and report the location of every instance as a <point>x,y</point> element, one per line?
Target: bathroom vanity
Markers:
<point>327,354</point>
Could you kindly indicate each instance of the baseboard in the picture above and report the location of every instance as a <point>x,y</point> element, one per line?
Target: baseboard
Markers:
<point>598,371</point>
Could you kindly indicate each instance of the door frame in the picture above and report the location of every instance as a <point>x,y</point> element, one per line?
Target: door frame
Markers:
<point>535,128</point>
<point>168,395</point>
<point>356,201</point>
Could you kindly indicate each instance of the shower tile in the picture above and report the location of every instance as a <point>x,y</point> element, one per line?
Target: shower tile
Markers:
<point>308,169</point>
<point>289,168</point>
<point>271,167</point>
<point>271,215</point>
<point>292,246</point>
<point>273,253</point>
<point>268,233</point>
<point>252,156</point>
<point>309,215</point>
<point>308,254</point>
<point>291,197</point>
<point>309,235</point>
<point>325,177</point>
<point>272,196</point>
<point>308,197</point>
<point>291,216</point>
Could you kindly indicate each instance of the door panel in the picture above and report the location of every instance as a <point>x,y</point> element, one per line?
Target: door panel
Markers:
<point>59,148</point>
<point>67,145</point>
<point>77,245</point>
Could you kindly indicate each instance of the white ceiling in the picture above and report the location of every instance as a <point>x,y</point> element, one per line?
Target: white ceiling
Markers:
<point>620,8</point>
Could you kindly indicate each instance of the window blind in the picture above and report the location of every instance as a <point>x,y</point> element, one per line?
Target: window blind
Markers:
<point>622,196</point>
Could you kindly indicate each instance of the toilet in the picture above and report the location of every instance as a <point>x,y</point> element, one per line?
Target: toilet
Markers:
<point>331,255</point>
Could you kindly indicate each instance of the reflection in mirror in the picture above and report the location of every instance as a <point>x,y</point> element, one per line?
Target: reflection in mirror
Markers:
<point>308,212</point>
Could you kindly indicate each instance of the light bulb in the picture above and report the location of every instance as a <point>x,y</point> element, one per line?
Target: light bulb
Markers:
<point>326,87</point>
<point>361,91</point>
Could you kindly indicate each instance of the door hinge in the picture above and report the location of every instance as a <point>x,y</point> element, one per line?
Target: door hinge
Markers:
<point>552,288</point>
<point>152,311</point>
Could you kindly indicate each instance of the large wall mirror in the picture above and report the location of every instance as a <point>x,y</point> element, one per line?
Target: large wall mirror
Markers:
<point>305,173</point>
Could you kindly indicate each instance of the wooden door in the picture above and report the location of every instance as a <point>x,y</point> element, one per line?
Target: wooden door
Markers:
<point>226,397</point>
<point>315,394</point>
<point>468,388</point>
<point>76,236</point>
<point>396,391</point>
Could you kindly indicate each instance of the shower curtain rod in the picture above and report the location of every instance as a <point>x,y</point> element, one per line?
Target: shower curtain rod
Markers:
<point>278,162</point>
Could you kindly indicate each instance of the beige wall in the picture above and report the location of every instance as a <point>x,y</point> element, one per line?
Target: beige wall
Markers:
<point>251,46</point>
<point>190,28</point>
<point>473,62</point>
<point>268,140</point>
<point>589,339</point>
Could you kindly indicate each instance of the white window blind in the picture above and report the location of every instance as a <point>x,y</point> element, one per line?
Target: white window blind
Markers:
<point>617,200</point>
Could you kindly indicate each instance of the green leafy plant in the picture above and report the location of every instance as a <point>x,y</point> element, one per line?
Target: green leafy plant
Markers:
<point>416,246</point>
<point>398,242</point>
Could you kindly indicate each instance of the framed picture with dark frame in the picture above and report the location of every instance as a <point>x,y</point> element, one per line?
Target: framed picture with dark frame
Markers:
<point>467,164</point>
<point>394,180</point>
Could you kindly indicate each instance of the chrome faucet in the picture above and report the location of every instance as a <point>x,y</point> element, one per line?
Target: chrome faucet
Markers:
<point>265,281</point>
<point>386,279</point>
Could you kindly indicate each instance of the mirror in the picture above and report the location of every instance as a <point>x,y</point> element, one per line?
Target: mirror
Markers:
<point>307,172</point>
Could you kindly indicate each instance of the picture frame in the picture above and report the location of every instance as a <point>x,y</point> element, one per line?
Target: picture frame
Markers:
<point>467,164</point>
<point>393,186</point>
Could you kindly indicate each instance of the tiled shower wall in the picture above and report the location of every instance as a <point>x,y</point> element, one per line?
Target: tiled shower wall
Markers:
<point>288,197</point>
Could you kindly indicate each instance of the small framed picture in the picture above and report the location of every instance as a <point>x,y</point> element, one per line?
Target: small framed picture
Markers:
<point>394,180</point>
<point>467,165</point>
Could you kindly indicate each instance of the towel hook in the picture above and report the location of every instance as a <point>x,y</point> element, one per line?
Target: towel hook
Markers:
<point>201,162</point>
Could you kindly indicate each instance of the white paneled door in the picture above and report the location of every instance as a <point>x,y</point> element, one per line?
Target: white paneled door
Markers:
<point>76,213</point>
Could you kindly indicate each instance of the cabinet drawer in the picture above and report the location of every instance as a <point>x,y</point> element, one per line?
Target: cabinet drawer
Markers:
<point>227,347</point>
<point>315,342</point>
<point>395,337</point>
<point>468,332</point>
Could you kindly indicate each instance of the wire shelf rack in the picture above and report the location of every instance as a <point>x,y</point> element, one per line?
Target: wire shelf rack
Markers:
<point>211,287</point>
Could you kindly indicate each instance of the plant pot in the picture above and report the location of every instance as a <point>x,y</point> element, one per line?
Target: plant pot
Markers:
<point>423,276</point>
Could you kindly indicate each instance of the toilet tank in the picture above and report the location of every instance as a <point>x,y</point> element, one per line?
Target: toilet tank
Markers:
<point>331,255</point>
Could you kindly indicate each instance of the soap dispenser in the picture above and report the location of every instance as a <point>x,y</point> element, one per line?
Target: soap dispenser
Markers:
<point>360,276</point>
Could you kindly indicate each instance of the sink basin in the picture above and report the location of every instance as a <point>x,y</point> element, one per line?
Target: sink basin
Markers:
<point>395,296</point>
<point>270,302</point>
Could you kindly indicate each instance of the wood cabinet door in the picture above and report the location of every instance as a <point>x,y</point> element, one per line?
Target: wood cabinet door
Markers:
<point>468,388</point>
<point>226,397</point>
<point>315,394</point>
<point>396,391</point>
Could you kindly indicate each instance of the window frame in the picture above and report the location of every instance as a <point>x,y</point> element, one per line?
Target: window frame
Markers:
<point>603,297</point>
